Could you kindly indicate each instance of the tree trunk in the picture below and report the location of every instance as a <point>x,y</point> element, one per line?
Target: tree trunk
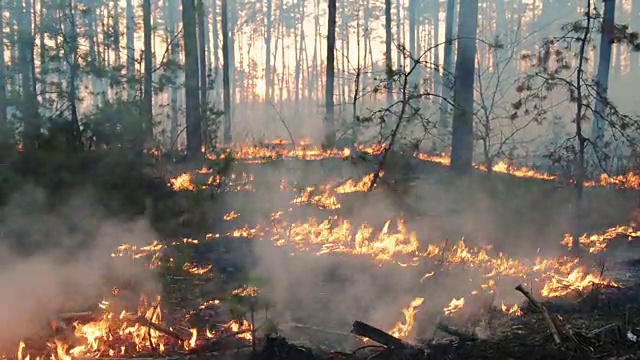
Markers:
<point>634,57</point>
<point>43,54</point>
<point>4,135</point>
<point>216,50</point>
<point>131,48</point>
<point>174,53</point>
<point>148,84</point>
<point>462,129</point>
<point>330,134</point>
<point>267,53</point>
<point>226,74</point>
<point>194,123</point>
<point>116,32</point>
<point>447,77</point>
<point>29,105</point>
<point>388,60</point>
<point>604,65</point>
<point>202,62</point>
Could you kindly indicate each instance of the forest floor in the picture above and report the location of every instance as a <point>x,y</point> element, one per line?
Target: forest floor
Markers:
<point>313,275</point>
<point>524,218</point>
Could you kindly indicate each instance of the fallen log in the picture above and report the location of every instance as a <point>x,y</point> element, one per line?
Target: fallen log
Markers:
<point>463,336</point>
<point>545,314</point>
<point>371,332</point>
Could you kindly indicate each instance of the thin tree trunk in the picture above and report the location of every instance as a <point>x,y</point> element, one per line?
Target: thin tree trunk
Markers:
<point>267,53</point>
<point>330,134</point>
<point>131,48</point>
<point>225,73</point>
<point>148,84</point>
<point>202,62</point>
<point>216,50</point>
<point>4,133</point>
<point>388,60</point>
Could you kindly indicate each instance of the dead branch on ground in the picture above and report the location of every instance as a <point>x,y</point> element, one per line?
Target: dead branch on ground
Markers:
<point>543,310</point>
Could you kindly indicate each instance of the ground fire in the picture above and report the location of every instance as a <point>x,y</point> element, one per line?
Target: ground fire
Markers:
<point>127,333</point>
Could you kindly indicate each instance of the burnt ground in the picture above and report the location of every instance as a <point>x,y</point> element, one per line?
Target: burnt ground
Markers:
<point>523,217</point>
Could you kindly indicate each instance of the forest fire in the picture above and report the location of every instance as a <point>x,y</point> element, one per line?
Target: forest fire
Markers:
<point>281,149</point>
<point>111,334</point>
<point>126,334</point>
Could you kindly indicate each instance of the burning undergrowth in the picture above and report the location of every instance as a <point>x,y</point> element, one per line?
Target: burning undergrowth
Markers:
<point>316,269</point>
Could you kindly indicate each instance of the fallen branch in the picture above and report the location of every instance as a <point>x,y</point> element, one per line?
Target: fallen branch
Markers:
<point>314,328</point>
<point>78,316</point>
<point>545,313</point>
<point>455,332</point>
<point>370,332</point>
<point>214,344</point>
<point>159,328</point>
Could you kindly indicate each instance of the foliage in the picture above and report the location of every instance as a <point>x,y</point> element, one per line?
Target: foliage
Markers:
<point>550,83</point>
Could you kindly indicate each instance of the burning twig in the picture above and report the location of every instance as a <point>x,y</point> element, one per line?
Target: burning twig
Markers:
<point>370,332</point>
<point>153,315</point>
<point>543,310</point>
<point>455,332</point>
<point>157,327</point>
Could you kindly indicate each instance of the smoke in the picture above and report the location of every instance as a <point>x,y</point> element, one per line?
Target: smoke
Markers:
<point>58,259</point>
<point>333,290</point>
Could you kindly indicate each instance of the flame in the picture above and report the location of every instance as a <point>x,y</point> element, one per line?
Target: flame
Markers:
<point>183,182</point>
<point>577,281</point>
<point>246,291</point>
<point>402,330</point>
<point>513,311</point>
<point>111,335</point>
<point>230,216</point>
<point>242,327</point>
<point>195,269</point>
<point>454,305</point>
<point>597,243</point>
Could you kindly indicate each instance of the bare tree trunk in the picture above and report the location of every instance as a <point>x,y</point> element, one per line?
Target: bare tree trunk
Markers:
<point>436,51</point>
<point>634,57</point>
<point>194,123</point>
<point>330,133</point>
<point>398,33</point>
<point>216,50</point>
<point>267,60</point>
<point>29,105</point>
<point>148,83</point>
<point>131,47</point>
<point>43,54</point>
<point>447,77</point>
<point>202,62</point>
<point>71,56</point>
<point>225,73</point>
<point>3,82</point>
<point>388,60</point>
<point>604,65</point>
<point>171,22</point>
<point>462,129</point>
<point>299,58</point>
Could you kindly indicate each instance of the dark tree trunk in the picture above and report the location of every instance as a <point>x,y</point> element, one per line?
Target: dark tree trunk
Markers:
<point>194,123</point>
<point>225,73</point>
<point>147,107</point>
<point>462,127</point>
<point>330,133</point>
